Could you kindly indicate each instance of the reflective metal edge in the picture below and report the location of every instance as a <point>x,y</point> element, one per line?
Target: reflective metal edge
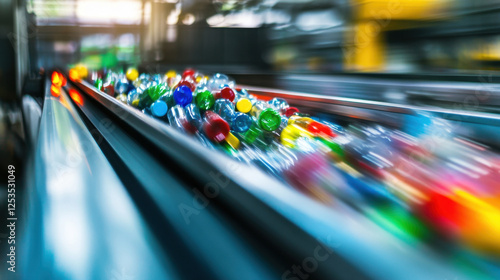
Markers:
<point>78,213</point>
<point>477,117</point>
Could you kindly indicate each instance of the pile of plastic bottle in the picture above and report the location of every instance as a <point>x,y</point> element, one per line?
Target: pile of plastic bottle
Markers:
<point>423,184</point>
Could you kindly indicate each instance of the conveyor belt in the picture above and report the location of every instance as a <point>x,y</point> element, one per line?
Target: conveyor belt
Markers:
<point>190,160</point>
<point>134,198</point>
<point>257,201</point>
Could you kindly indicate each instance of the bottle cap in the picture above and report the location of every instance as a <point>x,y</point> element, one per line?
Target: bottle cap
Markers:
<point>227,93</point>
<point>158,108</point>
<point>188,72</point>
<point>290,111</point>
<point>244,105</point>
<point>291,133</point>
<point>132,74</point>
<point>183,95</point>
<point>320,129</point>
<point>205,100</point>
<point>269,119</point>
<point>171,74</point>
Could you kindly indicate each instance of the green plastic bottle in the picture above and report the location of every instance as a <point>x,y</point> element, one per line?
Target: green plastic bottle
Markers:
<point>151,94</point>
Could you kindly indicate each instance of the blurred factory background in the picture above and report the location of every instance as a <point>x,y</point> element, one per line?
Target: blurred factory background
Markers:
<point>324,36</point>
<point>447,40</point>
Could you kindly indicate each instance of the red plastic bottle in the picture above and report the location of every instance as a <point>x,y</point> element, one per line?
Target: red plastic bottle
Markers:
<point>216,128</point>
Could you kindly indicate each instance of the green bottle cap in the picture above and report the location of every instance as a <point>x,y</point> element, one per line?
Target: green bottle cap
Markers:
<point>269,119</point>
<point>205,100</point>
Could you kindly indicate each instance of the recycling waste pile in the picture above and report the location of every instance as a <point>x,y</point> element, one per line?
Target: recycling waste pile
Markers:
<point>423,184</point>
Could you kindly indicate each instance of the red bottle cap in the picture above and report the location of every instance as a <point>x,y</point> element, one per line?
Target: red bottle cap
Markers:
<point>318,128</point>
<point>227,93</point>
<point>188,72</point>
<point>215,127</point>
<point>290,111</point>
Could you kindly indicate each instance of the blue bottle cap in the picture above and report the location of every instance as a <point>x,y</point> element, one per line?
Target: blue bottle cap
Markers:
<point>159,108</point>
<point>183,95</point>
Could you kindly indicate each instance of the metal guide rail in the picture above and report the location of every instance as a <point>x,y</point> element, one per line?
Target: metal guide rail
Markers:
<point>295,224</point>
<point>78,214</point>
<point>479,126</point>
<point>467,92</point>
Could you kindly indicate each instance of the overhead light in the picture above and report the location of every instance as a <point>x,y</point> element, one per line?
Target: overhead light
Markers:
<point>317,20</point>
<point>242,19</point>
<point>188,19</point>
<point>172,19</point>
<point>215,20</point>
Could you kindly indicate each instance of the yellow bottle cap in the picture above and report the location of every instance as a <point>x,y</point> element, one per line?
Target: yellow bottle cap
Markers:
<point>291,133</point>
<point>135,103</point>
<point>132,74</point>
<point>171,74</point>
<point>233,141</point>
<point>244,105</point>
